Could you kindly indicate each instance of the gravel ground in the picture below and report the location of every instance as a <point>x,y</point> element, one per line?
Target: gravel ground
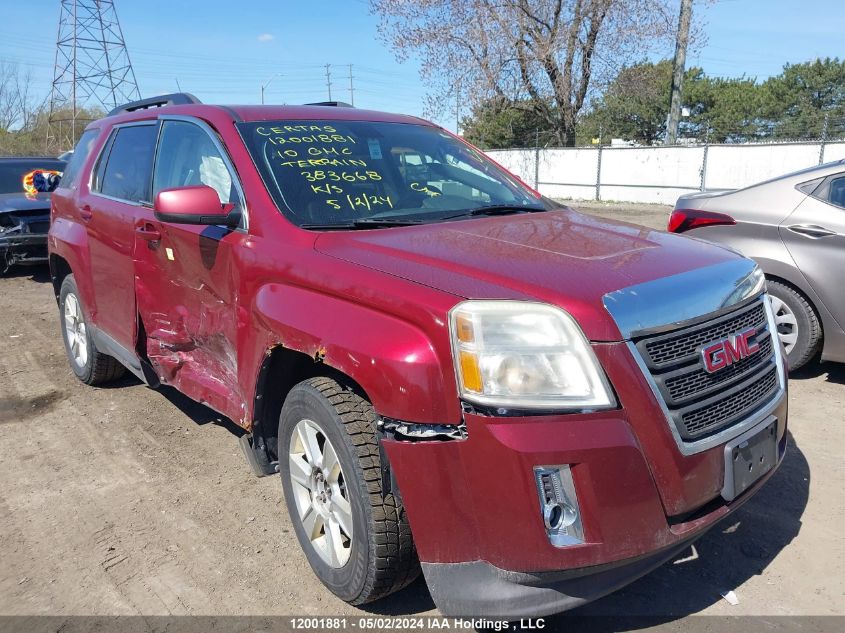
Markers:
<point>126,500</point>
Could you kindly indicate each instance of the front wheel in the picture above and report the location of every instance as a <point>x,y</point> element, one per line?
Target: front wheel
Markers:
<point>356,538</point>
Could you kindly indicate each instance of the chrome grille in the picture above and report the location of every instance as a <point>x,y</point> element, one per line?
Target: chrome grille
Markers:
<point>734,407</point>
<point>702,403</point>
<point>688,385</point>
<point>678,346</point>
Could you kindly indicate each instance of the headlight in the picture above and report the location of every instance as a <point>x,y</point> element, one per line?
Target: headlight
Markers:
<point>525,355</point>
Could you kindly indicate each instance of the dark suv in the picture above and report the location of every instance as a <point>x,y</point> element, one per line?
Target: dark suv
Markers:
<point>443,366</point>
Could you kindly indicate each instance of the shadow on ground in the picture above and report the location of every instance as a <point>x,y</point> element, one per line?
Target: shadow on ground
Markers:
<point>38,273</point>
<point>833,372</point>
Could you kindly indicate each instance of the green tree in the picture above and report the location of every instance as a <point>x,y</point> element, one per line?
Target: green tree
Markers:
<point>500,123</point>
<point>724,110</point>
<point>803,95</point>
<point>634,106</point>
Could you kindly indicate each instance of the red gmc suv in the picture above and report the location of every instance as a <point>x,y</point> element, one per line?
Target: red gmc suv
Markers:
<point>444,367</point>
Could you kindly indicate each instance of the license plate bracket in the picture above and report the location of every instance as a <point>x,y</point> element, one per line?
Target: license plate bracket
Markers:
<point>749,457</point>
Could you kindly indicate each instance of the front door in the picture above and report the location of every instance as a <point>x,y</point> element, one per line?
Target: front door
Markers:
<point>814,234</point>
<point>186,280</point>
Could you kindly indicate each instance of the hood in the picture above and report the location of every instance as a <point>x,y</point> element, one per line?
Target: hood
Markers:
<point>559,257</point>
<point>21,202</point>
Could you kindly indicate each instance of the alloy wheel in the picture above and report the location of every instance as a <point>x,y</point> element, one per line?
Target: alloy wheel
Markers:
<point>77,336</point>
<point>320,493</point>
<point>786,322</point>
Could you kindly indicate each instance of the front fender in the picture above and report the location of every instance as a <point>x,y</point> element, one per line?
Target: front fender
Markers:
<point>394,361</point>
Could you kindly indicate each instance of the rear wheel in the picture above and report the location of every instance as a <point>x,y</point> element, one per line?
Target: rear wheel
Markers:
<point>356,538</point>
<point>797,324</point>
<point>89,364</point>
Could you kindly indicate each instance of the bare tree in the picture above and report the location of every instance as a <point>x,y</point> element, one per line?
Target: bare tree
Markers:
<point>16,104</point>
<point>546,55</point>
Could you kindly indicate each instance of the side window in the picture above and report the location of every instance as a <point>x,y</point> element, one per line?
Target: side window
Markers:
<point>71,175</point>
<point>188,156</point>
<point>130,163</point>
<point>836,194</point>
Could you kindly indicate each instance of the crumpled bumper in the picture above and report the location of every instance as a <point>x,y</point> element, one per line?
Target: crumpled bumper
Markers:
<point>22,248</point>
<point>481,589</point>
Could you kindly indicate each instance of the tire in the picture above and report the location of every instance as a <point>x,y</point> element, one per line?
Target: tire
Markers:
<point>379,556</point>
<point>798,324</point>
<point>89,364</point>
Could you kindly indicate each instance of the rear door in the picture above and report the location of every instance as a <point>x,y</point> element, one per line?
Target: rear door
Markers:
<point>120,185</point>
<point>814,234</point>
<point>186,276</point>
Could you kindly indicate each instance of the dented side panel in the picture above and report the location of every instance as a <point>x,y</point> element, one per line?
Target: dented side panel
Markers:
<point>186,286</point>
<point>393,360</point>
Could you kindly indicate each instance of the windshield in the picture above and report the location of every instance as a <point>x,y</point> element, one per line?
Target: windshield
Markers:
<point>338,173</point>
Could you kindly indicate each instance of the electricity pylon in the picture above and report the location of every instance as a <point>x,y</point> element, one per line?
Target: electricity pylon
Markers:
<point>92,70</point>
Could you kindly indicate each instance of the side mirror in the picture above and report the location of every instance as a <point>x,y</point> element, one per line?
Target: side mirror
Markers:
<point>198,204</point>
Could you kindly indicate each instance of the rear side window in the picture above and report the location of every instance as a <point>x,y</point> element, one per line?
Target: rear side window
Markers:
<point>837,191</point>
<point>831,190</point>
<point>74,166</point>
<point>129,164</point>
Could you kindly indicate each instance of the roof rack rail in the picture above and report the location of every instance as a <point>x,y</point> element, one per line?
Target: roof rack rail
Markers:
<point>333,104</point>
<point>174,98</point>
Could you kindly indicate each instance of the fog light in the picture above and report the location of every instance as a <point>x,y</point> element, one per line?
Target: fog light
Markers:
<point>559,505</point>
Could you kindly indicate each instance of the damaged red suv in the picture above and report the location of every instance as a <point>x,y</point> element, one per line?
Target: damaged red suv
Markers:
<point>448,371</point>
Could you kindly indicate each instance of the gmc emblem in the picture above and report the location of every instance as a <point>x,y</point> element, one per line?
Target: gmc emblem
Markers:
<point>726,352</point>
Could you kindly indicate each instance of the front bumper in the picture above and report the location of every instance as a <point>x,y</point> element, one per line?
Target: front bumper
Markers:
<point>22,248</point>
<point>481,589</point>
<point>475,513</point>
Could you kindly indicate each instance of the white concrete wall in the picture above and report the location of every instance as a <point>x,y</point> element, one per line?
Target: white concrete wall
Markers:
<point>657,174</point>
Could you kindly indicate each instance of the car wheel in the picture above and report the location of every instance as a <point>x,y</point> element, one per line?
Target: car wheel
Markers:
<point>797,324</point>
<point>89,364</point>
<point>356,538</point>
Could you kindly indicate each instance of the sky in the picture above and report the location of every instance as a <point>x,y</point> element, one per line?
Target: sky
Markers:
<point>223,52</point>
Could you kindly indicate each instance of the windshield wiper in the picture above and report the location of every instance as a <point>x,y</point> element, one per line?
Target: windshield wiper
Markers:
<point>496,209</point>
<point>362,223</point>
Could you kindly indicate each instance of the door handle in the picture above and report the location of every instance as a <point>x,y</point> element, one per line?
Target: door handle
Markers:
<point>148,232</point>
<point>811,230</point>
<point>85,212</point>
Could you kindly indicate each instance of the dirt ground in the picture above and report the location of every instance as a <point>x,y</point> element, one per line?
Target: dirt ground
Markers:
<point>126,500</point>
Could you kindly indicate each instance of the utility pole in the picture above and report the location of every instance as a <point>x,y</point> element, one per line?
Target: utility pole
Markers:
<point>351,89</point>
<point>329,80</point>
<point>266,84</point>
<point>678,72</point>
<point>92,67</point>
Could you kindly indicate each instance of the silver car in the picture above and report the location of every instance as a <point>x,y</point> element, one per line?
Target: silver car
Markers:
<point>794,227</point>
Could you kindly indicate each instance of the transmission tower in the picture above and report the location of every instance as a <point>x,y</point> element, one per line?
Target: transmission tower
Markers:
<point>92,70</point>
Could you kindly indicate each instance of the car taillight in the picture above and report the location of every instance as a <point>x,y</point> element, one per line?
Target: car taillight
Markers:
<point>686,219</point>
